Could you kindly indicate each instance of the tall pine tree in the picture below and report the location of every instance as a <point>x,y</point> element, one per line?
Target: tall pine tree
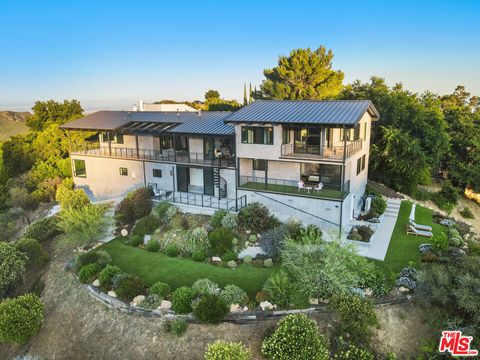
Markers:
<point>245,99</point>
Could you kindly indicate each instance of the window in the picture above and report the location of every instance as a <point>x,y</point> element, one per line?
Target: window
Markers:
<point>114,137</point>
<point>361,164</point>
<point>365,131</point>
<point>157,173</point>
<point>79,169</point>
<point>285,136</point>
<point>123,171</point>
<point>260,165</point>
<point>257,135</point>
<point>356,132</point>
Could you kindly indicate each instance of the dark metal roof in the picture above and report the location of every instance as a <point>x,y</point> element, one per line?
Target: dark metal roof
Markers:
<point>325,112</point>
<point>209,123</point>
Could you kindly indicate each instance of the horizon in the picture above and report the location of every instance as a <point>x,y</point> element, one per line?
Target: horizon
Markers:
<point>110,59</point>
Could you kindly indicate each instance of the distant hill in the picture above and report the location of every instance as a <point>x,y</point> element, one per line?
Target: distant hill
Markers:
<point>12,123</point>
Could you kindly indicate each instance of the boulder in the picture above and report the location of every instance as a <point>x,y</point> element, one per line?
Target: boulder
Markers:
<point>425,248</point>
<point>165,305</point>
<point>137,300</point>
<point>368,292</point>
<point>216,259</point>
<point>313,301</point>
<point>232,264</point>
<point>403,289</point>
<point>96,283</point>
<point>112,294</point>
<point>235,308</point>
<point>124,232</point>
<point>456,252</point>
<point>245,308</point>
<point>266,305</point>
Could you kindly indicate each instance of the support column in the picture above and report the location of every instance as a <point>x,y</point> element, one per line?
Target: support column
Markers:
<point>343,177</point>
<point>109,144</point>
<point>136,145</point>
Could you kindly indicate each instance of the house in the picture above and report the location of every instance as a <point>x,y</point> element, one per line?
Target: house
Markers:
<point>303,159</point>
<point>143,106</point>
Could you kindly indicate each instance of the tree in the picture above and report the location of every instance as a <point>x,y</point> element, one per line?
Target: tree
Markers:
<point>12,267</point>
<point>303,75</point>
<point>21,198</point>
<point>52,112</point>
<point>18,154</point>
<point>245,98</point>
<point>70,198</point>
<point>212,94</point>
<point>250,93</point>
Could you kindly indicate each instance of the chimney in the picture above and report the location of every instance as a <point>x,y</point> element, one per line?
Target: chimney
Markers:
<point>199,114</point>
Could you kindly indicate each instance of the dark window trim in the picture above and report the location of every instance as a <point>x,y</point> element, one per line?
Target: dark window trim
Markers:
<point>157,176</point>
<point>258,162</point>
<point>123,173</point>
<point>259,132</point>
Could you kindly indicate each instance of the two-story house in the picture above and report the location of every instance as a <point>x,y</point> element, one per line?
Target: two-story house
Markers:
<point>303,159</point>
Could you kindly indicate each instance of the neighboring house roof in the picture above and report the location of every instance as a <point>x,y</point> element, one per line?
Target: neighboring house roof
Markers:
<point>166,107</point>
<point>325,112</point>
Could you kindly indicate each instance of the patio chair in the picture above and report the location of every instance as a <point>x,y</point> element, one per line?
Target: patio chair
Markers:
<point>412,231</point>
<point>301,185</point>
<point>318,187</point>
<point>157,192</point>
<point>420,226</point>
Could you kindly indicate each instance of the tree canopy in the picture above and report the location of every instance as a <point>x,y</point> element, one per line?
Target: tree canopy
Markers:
<point>304,75</point>
<point>52,112</point>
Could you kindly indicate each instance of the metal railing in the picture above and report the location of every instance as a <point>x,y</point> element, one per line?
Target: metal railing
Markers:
<point>325,152</point>
<point>156,155</point>
<point>197,199</point>
<point>291,187</point>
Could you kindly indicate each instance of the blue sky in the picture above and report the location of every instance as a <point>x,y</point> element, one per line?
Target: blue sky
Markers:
<point>108,54</point>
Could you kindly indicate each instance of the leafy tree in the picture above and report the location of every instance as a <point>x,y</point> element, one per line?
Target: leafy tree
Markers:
<point>12,267</point>
<point>52,112</point>
<point>68,197</point>
<point>212,94</point>
<point>18,154</point>
<point>33,250</point>
<point>303,75</point>
<point>21,198</point>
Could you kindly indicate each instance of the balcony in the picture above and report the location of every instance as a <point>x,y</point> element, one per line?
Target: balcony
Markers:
<point>169,155</point>
<point>301,150</point>
<point>290,187</point>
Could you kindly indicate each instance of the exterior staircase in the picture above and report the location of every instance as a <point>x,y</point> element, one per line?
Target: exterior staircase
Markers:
<point>393,207</point>
<point>220,183</point>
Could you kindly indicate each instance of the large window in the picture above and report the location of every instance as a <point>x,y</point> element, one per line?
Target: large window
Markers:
<point>257,135</point>
<point>79,169</point>
<point>285,136</point>
<point>361,164</point>
<point>114,137</point>
<point>123,171</point>
<point>259,164</point>
<point>157,173</point>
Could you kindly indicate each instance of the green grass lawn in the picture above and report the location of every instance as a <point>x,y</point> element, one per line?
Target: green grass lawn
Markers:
<point>154,266</point>
<point>287,189</point>
<point>403,248</point>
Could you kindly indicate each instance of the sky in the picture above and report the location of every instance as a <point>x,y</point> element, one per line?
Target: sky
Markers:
<point>109,54</point>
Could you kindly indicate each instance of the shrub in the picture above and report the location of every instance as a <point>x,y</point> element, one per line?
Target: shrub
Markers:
<point>232,264</point>
<point>43,229</point>
<point>261,296</point>
<point>12,267</point>
<point>229,255</point>
<point>252,238</point>
<point>440,241</point>
<point>146,225</point>
<point>379,204</point>
<point>449,192</point>
<point>365,232</point>
<point>229,221</point>
<point>257,218</point>
<point>442,202</point>
<point>172,251</point>
<point>182,300</point>
<point>429,256</point>
<point>177,327</point>
<point>152,245</point>
<point>20,318</point>
<point>454,237</point>
<point>296,337</point>
<point>268,263</point>
<point>134,240</point>
<point>348,351</point>
<point>134,206</point>
<point>279,289</point>
<point>160,210</point>
<point>380,281</point>
<point>100,257</point>
<point>247,259</point>
<point>33,250</point>
<point>232,294</point>
<point>108,272</point>
<point>357,317</point>
<point>221,240</point>
<point>160,289</point>
<point>271,241</point>
<point>223,350</point>
<point>211,309</point>
<point>88,273</point>
<point>129,286</point>
<point>199,256</point>
<point>70,198</point>
<point>466,213</point>
<point>216,218</point>
<point>205,287</point>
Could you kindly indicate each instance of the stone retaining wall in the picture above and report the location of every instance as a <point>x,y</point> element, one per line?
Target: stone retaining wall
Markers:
<point>236,318</point>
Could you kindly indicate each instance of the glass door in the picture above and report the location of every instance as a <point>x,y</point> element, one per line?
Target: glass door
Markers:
<point>208,183</point>
<point>208,148</point>
<point>182,178</point>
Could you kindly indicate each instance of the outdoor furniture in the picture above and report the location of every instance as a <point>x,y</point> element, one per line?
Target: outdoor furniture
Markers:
<point>420,227</point>
<point>301,185</point>
<point>412,231</point>
<point>157,191</point>
<point>313,178</point>
<point>318,187</point>
<point>308,188</point>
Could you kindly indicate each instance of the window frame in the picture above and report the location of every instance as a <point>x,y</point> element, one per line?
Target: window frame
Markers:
<point>75,168</point>
<point>257,162</point>
<point>156,176</point>
<point>123,173</point>
<point>258,135</point>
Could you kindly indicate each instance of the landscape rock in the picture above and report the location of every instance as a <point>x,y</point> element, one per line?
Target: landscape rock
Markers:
<point>425,248</point>
<point>403,289</point>
<point>266,305</point>
<point>112,294</point>
<point>313,301</point>
<point>235,308</point>
<point>165,305</point>
<point>456,252</point>
<point>96,283</point>
<point>216,259</point>
<point>137,300</point>
<point>245,308</point>
<point>368,292</point>
<point>124,232</point>
<point>232,264</point>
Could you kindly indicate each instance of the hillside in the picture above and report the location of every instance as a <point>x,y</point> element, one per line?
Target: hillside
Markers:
<point>12,123</point>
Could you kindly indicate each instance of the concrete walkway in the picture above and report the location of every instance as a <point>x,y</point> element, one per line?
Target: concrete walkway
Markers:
<point>378,246</point>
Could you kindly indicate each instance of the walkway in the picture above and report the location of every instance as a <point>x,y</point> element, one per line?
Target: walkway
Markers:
<point>378,246</point>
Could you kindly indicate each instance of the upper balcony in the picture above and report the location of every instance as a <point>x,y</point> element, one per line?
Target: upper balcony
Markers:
<point>169,155</point>
<point>302,150</point>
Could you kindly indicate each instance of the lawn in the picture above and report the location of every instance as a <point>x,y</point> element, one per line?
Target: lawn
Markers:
<point>403,248</point>
<point>155,266</point>
<point>287,189</point>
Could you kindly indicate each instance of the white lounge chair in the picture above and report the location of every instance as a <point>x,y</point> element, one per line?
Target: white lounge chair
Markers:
<point>301,185</point>
<point>318,187</point>
<point>420,226</point>
<point>411,230</point>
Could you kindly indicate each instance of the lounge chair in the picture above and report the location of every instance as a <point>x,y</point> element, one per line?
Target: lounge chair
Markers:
<point>411,230</point>
<point>420,227</point>
<point>301,185</point>
<point>318,187</point>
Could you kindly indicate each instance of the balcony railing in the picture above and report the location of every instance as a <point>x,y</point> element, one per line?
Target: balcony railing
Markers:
<point>290,187</point>
<point>334,152</point>
<point>157,155</point>
<point>196,199</point>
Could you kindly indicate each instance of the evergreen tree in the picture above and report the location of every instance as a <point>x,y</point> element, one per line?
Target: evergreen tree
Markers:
<point>245,99</point>
<point>250,94</point>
